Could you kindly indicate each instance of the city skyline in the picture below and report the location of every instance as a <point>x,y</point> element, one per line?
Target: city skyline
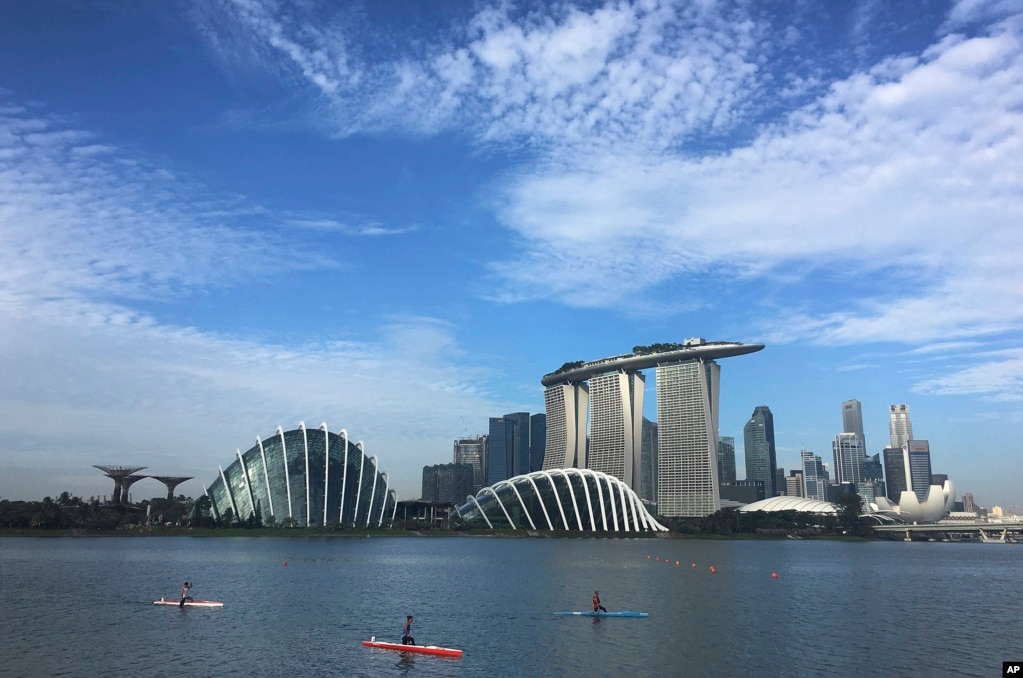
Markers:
<point>218,218</point>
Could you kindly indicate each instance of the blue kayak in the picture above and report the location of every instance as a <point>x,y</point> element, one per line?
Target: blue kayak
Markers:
<point>623,613</point>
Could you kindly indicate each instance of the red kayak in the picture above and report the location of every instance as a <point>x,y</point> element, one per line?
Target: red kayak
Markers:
<point>421,649</point>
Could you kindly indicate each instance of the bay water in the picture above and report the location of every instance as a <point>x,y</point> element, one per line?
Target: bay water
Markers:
<point>300,606</point>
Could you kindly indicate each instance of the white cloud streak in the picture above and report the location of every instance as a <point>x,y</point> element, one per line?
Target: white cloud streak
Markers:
<point>88,231</point>
<point>909,172</point>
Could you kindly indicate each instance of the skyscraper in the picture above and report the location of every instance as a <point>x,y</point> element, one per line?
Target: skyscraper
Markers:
<point>537,441</point>
<point>567,405</point>
<point>794,486</point>
<point>852,419</point>
<point>896,472</point>
<point>815,477</point>
<point>517,430</point>
<point>616,425</point>
<point>687,406</point>
<point>473,451</point>
<point>648,463</point>
<point>761,458</point>
<point>848,451</point>
<point>726,459</point>
<point>687,425</point>
<point>919,453</point>
<point>899,426</point>
<point>498,455</point>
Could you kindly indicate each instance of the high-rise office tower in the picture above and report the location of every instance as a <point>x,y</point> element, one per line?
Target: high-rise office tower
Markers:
<point>852,419</point>
<point>794,486</point>
<point>498,454</point>
<point>919,453</point>
<point>848,451</point>
<point>726,459</point>
<point>648,462</point>
<point>871,468</point>
<point>899,426</point>
<point>473,451</point>
<point>896,472</point>
<point>517,431</point>
<point>537,441</point>
<point>761,459</point>
<point>687,426</point>
<point>567,405</point>
<point>779,481</point>
<point>815,477</point>
<point>616,425</point>
<point>968,504</point>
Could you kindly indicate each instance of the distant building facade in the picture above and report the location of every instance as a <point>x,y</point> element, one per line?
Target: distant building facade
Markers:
<point>848,452</point>
<point>648,463</point>
<point>537,441</point>
<point>852,419</point>
<point>896,472</point>
<point>726,459</point>
<point>473,451</point>
<point>815,477</point>
<point>761,458</point>
<point>794,486</point>
<point>900,428</point>
<point>447,483</point>
<point>919,453</point>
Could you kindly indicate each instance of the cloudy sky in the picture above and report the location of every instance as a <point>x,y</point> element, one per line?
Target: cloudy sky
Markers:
<point>395,216</point>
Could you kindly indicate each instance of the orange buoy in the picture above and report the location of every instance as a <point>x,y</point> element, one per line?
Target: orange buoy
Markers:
<point>713,569</point>
<point>774,575</point>
<point>676,563</point>
<point>648,557</point>
<point>285,563</point>
<point>694,564</point>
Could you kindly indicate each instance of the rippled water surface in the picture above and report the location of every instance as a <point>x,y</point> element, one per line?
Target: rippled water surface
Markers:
<point>84,607</point>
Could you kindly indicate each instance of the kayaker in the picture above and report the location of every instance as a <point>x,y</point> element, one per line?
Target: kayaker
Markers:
<point>406,633</point>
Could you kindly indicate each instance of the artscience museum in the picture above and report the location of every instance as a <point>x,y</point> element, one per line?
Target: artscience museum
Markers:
<point>937,503</point>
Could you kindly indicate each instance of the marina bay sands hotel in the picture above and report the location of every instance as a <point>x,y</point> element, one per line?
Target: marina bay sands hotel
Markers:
<point>610,391</point>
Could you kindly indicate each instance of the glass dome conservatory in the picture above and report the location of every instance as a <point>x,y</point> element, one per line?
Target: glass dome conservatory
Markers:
<point>560,499</point>
<point>305,478</point>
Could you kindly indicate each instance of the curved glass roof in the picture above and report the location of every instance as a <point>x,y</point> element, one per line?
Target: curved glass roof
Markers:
<point>783,503</point>
<point>560,499</point>
<point>305,478</point>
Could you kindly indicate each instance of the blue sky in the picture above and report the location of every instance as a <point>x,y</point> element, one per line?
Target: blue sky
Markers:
<point>395,217</point>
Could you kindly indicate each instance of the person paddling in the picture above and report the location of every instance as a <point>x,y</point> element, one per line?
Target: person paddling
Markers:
<point>596,602</point>
<point>185,590</point>
<point>406,633</point>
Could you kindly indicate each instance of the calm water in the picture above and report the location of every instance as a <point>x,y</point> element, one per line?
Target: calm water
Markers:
<point>83,607</point>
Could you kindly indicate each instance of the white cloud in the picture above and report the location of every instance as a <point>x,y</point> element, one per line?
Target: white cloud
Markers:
<point>88,230</point>
<point>998,374</point>
<point>904,176</point>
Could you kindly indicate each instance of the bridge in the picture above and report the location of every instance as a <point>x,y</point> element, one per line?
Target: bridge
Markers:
<point>991,533</point>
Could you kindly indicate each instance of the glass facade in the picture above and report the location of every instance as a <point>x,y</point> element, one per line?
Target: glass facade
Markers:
<point>305,478</point>
<point>560,499</point>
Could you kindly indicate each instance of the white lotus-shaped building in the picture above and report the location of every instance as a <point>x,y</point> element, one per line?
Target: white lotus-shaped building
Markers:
<point>938,502</point>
